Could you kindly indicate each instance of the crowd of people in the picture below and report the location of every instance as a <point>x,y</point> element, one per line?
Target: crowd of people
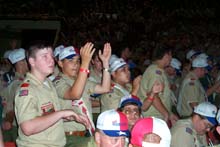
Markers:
<point>131,75</point>
<point>65,96</point>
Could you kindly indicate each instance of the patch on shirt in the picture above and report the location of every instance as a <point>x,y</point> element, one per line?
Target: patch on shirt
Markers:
<point>189,130</point>
<point>47,108</point>
<point>25,85</point>
<point>23,92</point>
<point>56,79</point>
<point>158,72</point>
<point>191,83</point>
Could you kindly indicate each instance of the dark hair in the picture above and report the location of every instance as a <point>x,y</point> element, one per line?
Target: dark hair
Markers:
<point>129,103</point>
<point>36,46</point>
<point>160,51</point>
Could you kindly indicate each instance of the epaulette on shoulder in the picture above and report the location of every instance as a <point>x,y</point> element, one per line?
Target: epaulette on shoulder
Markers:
<point>56,78</point>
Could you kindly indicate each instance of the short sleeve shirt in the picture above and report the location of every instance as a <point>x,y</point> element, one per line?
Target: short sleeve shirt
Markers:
<point>33,99</point>
<point>154,73</point>
<point>184,134</point>
<point>62,84</point>
<point>191,90</point>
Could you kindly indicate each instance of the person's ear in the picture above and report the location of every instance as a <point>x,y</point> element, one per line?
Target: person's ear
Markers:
<point>60,63</point>
<point>31,61</point>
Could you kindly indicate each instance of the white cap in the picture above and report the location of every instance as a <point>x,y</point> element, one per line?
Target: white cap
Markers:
<point>116,63</point>
<point>203,55</point>
<point>218,116</point>
<point>17,55</point>
<point>207,110</point>
<point>6,54</point>
<point>67,52</point>
<point>199,62</point>
<point>190,54</point>
<point>175,63</point>
<point>57,50</point>
<point>112,58</point>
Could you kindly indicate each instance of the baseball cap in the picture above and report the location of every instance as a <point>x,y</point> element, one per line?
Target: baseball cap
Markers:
<point>113,123</point>
<point>16,55</point>
<point>175,63</point>
<point>116,63</point>
<point>207,110</point>
<point>130,99</point>
<point>6,54</point>
<point>150,125</point>
<point>199,62</point>
<point>191,53</point>
<point>57,50</point>
<point>203,55</point>
<point>67,52</point>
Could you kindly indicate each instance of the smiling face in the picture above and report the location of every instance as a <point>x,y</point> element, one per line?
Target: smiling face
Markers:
<point>70,67</point>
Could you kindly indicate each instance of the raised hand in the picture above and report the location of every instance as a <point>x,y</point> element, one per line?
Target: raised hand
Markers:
<point>105,56</point>
<point>86,53</point>
<point>157,87</point>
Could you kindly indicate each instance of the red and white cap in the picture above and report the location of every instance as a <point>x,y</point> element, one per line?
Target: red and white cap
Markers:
<point>67,52</point>
<point>150,125</point>
<point>113,123</point>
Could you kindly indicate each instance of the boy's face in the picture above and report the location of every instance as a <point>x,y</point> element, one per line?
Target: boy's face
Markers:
<point>122,75</point>
<point>70,67</point>
<point>132,112</point>
<point>43,63</point>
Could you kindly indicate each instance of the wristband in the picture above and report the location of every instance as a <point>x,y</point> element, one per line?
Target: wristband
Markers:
<point>150,99</point>
<point>84,70</point>
<point>106,69</point>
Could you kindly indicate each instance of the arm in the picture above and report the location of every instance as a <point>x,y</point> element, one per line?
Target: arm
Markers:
<point>212,89</point>
<point>1,139</point>
<point>41,123</point>
<point>76,90</point>
<point>106,78</point>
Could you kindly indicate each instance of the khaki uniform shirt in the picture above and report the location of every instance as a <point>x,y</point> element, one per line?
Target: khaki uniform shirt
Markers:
<point>94,77</point>
<point>153,73</point>
<point>191,90</point>
<point>183,134</point>
<point>34,98</point>
<point>62,84</point>
<point>112,99</point>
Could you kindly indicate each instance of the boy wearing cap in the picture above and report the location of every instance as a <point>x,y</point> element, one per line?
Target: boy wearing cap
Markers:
<point>161,106</point>
<point>193,130</point>
<point>9,126</point>
<point>150,132</point>
<point>111,130</point>
<point>131,107</point>
<point>74,89</point>
<point>191,90</point>
<point>120,86</point>
<point>37,108</point>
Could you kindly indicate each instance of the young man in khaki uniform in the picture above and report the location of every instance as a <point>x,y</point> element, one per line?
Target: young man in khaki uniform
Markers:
<point>74,89</point>
<point>9,126</point>
<point>120,86</point>
<point>191,91</point>
<point>37,108</point>
<point>191,132</point>
<point>161,106</point>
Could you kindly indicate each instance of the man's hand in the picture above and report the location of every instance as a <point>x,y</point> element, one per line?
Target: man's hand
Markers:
<point>105,56</point>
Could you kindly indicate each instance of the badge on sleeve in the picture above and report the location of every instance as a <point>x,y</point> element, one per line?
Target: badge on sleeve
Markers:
<point>189,130</point>
<point>158,72</point>
<point>25,85</point>
<point>23,92</point>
